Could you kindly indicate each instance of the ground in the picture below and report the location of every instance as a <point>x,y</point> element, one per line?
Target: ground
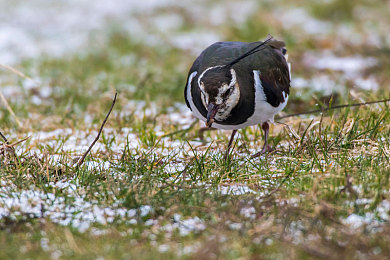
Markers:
<point>151,187</point>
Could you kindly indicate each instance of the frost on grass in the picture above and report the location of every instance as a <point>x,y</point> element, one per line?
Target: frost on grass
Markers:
<point>248,212</point>
<point>184,226</point>
<point>80,213</point>
<point>71,209</point>
<point>371,220</point>
<point>74,141</point>
<point>235,190</point>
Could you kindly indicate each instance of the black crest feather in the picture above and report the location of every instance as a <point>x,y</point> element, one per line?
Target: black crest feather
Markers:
<point>252,51</point>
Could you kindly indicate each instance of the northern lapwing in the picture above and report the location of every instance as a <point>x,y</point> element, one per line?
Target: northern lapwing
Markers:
<point>232,85</point>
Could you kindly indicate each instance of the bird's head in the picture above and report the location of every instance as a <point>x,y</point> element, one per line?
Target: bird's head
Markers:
<point>220,92</point>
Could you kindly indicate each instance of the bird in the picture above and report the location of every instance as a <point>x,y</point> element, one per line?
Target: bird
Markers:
<point>232,85</point>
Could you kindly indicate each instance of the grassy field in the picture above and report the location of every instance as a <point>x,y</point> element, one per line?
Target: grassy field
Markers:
<point>151,188</point>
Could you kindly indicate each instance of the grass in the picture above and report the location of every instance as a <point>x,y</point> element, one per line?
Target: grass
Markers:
<point>152,189</point>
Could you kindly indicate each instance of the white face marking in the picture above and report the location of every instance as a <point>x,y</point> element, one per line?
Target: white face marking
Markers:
<point>194,109</point>
<point>225,102</point>
<point>227,105</point>
<point>205,97</point>
<point>222,89</point>
<point>263,110</point>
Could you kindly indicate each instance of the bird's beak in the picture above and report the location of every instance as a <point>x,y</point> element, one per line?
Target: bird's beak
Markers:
<point>212,110</point>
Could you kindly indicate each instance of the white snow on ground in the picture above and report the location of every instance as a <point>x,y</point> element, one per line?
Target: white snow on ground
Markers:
<point>369,83</point>
<point>320,83</point>
<point>184,226</point>
<point>195,42</point>
<point>371,219</point>
<point>80,213</point>
<point>351,66</point>
<point>235,190</point>
<point>299,18</point>
<point>248,212</point>
<point>29,29</point>
<point>356,221</point>
<point>77,142</point>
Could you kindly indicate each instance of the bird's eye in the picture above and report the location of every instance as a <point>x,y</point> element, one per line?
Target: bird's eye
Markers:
<point>228,91</point>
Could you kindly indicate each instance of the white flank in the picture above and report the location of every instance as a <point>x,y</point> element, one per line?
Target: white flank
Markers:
<point>231,101</point>
<point>263,110</point>
<point>195,111</point>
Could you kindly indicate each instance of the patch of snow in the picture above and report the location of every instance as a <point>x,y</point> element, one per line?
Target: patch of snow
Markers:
<point>68,25</point>
<point>371,219</point>
<point>249,212</point>
<point>167,22</point>
<point>163,248</point>
<point>76,142</point>
<point>293,201</point>
<point>235,190</point>
<point>36,100</point>
<point>45,91</point>
<point>190,225</point>
<point>351,65</point>
<point>295,229</point>
<point>11,92</point>
<point>320,83</point>
<point>80,214</point>
<point>268,241</point>
<point>369,83</point>
<point>363,201</point>
<point>299,18</point>
<point>145,210</point>
<point>185,226</point>
<point>151,222</point>
<point>188,249</point>
<point>133,221</point>
<point>356,221</point>
<point>45,244</point>
<point>195,42</point>
<point>236,11</point>
<point>103,165</point>
<point>98,232</point>
<point>56,254</point>
<point>235,226</point>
